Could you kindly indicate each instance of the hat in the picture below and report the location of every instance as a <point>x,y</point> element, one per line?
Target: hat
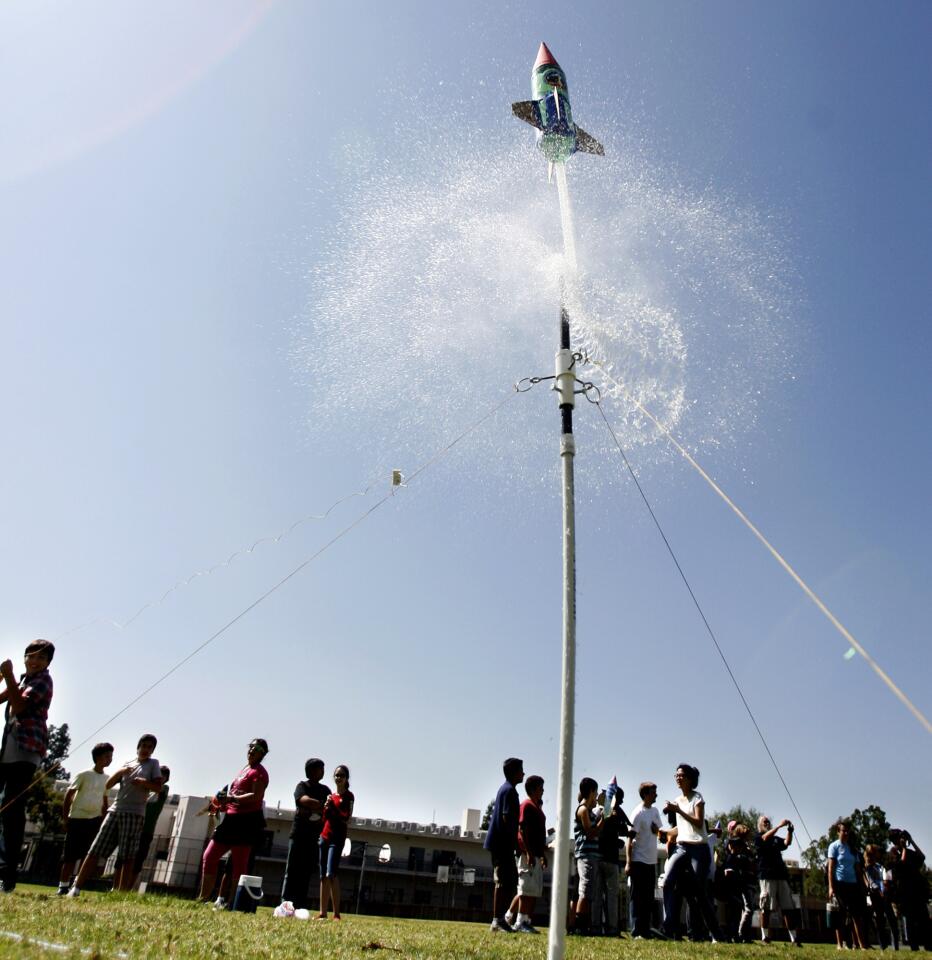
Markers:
<point>732,824</point>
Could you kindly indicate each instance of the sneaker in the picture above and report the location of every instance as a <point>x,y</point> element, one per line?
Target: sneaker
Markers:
<point>218,904</point>
<point>73,892</point>
<point>62,889</point>
<point>501,926</point>
<point>526,927</point>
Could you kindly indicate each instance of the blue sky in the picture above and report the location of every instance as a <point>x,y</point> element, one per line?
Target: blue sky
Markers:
<point>255,255</point>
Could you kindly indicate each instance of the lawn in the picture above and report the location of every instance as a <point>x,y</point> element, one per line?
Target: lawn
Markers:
<point>110,925</point>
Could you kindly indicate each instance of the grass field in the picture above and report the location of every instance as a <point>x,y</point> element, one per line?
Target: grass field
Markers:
<point>110,925</point>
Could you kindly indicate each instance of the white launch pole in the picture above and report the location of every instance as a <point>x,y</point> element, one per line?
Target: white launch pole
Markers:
<point>564,384</point>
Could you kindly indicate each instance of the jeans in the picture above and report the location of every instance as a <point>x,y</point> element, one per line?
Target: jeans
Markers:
<point>301,867</point>
<point>689,868</point>
<point>608,877</point>
<point>14,782</point>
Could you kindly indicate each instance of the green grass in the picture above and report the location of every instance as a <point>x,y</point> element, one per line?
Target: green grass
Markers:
<point>150,926</point>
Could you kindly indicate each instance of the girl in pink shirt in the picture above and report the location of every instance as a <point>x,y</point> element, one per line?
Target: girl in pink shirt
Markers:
<point>243,820</point>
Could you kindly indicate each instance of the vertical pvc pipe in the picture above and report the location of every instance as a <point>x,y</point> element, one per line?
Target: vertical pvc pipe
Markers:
<point>559,893</point>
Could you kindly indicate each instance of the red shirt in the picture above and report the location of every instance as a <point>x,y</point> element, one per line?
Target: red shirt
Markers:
<point>532,829</point>
<point>248,780</point>
<point>336,817</point>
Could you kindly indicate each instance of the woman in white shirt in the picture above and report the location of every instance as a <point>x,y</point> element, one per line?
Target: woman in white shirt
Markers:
<point>688,867</point>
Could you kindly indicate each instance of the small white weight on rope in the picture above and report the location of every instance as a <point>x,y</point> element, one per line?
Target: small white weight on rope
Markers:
<point>397,478</point>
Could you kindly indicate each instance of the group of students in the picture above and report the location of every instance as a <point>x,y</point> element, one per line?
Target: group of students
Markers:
<point>746,872</point>
<point>883,887</point>
<point>93,830</point>
<point>886,886</point>
<point>318,834</point>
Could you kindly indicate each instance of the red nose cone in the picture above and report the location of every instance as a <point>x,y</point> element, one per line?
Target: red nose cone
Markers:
<point>544,56</point>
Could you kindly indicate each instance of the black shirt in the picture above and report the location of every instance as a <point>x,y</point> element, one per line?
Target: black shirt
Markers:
<point>770,865</point>
<point>612,836</point>
<point>302,816</point>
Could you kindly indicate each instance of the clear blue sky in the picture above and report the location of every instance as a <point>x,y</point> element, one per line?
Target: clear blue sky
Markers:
<point>253,256</point>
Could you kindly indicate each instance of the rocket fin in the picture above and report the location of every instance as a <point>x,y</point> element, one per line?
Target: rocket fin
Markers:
<point>588,144</point>
<point>528,111</point>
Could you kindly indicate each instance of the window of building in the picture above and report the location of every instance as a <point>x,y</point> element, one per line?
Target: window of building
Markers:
<point>416,858</point>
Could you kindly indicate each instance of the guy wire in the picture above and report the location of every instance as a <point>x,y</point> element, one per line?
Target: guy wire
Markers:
<point>705,620</point>
<point>810,593</point>
<point>255,603</point>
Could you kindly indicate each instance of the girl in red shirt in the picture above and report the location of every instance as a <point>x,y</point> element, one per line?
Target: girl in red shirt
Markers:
<point>338,809</point>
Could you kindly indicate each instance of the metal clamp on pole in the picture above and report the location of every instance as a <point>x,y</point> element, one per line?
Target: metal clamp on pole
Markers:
<point>565,380</point>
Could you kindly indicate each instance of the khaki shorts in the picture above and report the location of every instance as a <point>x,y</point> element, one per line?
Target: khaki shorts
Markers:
<point>530,878</point>
<point>776,895</point>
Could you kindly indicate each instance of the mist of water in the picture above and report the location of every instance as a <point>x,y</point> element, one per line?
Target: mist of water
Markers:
<point>440,286</point>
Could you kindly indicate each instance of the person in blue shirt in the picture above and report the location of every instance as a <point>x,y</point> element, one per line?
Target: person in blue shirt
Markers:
<point>846,882</point>
<point>501,841</point>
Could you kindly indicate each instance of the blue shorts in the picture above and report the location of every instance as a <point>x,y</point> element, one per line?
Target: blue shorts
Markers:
<point>329,858</point>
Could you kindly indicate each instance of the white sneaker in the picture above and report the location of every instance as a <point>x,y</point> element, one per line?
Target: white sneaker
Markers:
<point>219,904</point>
<point>73,892</point>
<point>501,926</point>
<point>526,927</point>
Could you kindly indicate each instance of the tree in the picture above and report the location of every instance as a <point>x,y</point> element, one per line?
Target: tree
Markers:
<point>44,803</point>
<point>748,817</point>
<point>487,816</point>
<point>869,825</point>
<point>57,753</point>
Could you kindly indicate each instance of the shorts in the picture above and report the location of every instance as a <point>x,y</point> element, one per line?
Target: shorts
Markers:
<point>776,895</point>
<point>588,871</point>
<point>79,835</point>
<point>850,897</point>
<point>504,871</point>
<point>240,829</point>
<point>119,830</point>
<point>330,853</point>
<point>530,877</point>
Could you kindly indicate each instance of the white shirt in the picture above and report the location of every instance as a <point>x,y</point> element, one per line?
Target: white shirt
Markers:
<point>644,845</point>
<point>686,832</point>
<point>89,796</point>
